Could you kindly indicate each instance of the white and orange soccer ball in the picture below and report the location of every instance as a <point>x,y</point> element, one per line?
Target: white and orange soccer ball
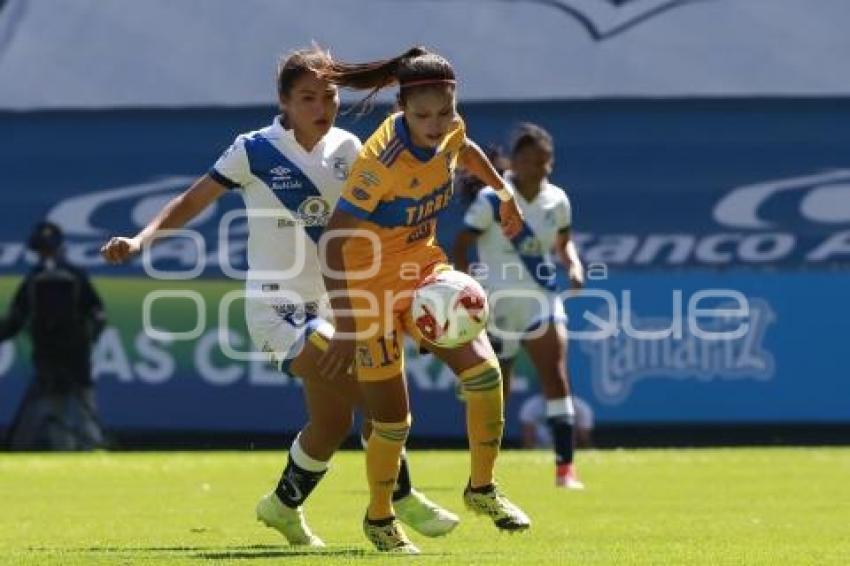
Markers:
<point>449,308</point>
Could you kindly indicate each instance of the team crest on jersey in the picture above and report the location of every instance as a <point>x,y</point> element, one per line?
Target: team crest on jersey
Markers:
<point>340,168</point>
<point>359,193</point>
<point>369,179</point>
<point>531,246</point>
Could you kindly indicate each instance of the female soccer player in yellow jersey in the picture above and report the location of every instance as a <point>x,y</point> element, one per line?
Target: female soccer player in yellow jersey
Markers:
<point>298,160</point>
<point>379,246</point>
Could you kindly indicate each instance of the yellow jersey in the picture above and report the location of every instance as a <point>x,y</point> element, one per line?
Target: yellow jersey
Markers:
<point>399,190</point>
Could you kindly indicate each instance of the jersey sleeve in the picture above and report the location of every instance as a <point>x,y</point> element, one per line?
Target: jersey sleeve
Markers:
<point>232,169</point>
<point>564,214</point>
<point>479,216</point>
<point>368,181</point>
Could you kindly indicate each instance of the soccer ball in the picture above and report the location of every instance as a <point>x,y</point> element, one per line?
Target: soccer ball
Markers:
<point>449,308</point>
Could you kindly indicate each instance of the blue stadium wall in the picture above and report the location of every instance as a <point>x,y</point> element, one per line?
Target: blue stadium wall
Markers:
<point>670,198</point>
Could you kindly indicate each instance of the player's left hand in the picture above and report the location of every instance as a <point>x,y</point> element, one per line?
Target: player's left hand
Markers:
<point>511,217</point>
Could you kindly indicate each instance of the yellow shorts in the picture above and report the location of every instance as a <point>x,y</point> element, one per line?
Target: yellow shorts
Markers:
<point>381,325</point>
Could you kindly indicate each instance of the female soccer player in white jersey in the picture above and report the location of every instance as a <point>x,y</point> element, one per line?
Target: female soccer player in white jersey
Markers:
<point>519,275</point>
<point>290,175</point>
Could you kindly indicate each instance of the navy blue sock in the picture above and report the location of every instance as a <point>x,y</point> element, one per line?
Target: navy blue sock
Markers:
<point>562,433</point>
<point>296,483</point>
<point>402,485</point>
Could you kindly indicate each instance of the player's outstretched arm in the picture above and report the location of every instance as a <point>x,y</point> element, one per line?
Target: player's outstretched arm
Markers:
<point>473,159</point>
<point>179,210</point>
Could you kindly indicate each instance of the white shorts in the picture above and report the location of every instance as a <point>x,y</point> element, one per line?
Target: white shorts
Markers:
<point>516,315</point>
<point>280,328</point>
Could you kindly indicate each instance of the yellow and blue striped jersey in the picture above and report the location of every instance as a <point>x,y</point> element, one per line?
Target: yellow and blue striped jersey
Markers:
<point>398,190</point>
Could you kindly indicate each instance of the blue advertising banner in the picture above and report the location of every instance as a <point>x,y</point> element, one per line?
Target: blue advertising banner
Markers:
<point>748,198</point>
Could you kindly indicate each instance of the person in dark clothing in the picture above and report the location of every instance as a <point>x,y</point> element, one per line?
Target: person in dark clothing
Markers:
<point>58,306</point>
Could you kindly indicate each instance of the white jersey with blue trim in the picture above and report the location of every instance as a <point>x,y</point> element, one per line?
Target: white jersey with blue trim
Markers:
<point>526,262</point>
<point>289,195</point>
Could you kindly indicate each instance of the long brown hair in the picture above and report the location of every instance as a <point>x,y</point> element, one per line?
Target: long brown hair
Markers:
<point>295,64</point>
<point>416,68</point>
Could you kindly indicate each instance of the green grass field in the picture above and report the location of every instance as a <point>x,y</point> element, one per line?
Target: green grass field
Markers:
<point>737,506</point>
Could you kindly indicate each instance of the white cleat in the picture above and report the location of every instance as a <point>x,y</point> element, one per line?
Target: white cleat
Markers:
<point>287,521</point>
<point>424,516</point>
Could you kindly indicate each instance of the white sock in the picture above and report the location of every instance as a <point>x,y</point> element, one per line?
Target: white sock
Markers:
<point>560,407</point>
<point>304,460</point>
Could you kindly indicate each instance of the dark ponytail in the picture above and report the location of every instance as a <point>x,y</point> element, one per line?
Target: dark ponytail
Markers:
<point>417,67</point>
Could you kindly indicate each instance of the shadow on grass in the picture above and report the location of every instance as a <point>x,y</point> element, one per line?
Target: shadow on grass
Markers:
<point>245,552</point>
<point>216,552</point>
<point>233,554</point>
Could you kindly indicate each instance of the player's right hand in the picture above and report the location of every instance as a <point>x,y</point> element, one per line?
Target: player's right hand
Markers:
<point>511,218</point>
<point>119,250</point>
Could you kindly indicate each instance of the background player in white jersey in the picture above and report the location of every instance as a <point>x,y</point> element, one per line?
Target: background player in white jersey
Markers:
<point>290,175</point>
<point>519,275</point>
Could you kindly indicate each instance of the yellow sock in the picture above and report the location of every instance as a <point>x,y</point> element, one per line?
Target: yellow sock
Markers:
<point>382,462</point>
<point>485,418</point>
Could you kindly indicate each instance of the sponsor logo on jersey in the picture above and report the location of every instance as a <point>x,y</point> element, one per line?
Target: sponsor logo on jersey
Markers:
<point>282,179</point>
<point>314,211</point>
<point>369,179</point>
<point>427,208</point>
